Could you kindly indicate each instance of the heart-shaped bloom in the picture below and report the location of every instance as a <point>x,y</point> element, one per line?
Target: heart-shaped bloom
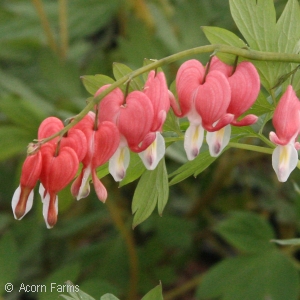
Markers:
<point>102,143</point>
<point>203,100</point>
<point>74,138</point>
<point>157,91</point>
<point>58,169</point>
<point>23,196</point>
<point>245,86</point>
<point>286,121</point>
<point>134,118</point>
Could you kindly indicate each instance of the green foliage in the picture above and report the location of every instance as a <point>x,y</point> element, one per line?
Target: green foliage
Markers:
<point>146,197</point>
<point>262,265</point>
<point>94,246</point>
<point>195,167</point>
<point>271,273</point>
<point>247,232</point>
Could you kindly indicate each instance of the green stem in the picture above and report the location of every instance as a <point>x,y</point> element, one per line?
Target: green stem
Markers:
<point>251,148</point>
<point>45,24</point>
<point>245,53</point>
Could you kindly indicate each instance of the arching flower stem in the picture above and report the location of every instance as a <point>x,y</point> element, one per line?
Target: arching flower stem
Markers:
<point>217,48</point>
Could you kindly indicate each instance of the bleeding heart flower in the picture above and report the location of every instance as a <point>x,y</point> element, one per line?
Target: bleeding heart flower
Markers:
<point>204,100</point>
<point>245,86</point>
<point>102,144</point>
<point>134,119</point>
<point>286,121</point>
<point>157,90</point>
<point>23,197</point>
<point>74,138</point>
<point>59,167</point>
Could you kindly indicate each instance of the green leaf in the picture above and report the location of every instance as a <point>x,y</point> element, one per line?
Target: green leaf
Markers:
<point>289,242</point>
<point>246,231</point>
<point>9,260</point>
<point>135,169</point>
<point>269,275</point>
<point>152,188</point>
<point>92,83</point>
<point>154,294</point>
<point>261,105</point>
<point>218,35</point>
<point>288,27</point>
<point>102,171</point>
<point>121,70</point>
<point>194,167</point>
<point>75,292</point>
<point>256,21</point>
<point>109,297</point>
<point>56,282</point>
<point>13,140</point>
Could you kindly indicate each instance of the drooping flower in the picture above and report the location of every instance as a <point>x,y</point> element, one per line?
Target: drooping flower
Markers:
<point>286,121</point>
<point>157,90</point>
<point>102,143</point>
<point>203,100</point>
<point>23,196</point>
<point>244,85</point>
<point>59,167</point>
<point>74,138</point>
<point>134,118</point>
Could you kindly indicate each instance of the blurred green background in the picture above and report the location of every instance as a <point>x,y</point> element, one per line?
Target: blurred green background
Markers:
<point>45,46</point>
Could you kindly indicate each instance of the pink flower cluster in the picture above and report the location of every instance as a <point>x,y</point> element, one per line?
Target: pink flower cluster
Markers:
<point>123,122</point>
<point>212,98</point>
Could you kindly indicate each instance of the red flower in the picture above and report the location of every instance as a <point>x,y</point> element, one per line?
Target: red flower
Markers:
<point>244,84</point>
<point>204,100</point>
<point>102,144</point>
<point>23,197</point>
<point>134,119</point>
<point>157,90</point>
<point>58,169</point>
<point>74,138</point>
<point>286,121</point>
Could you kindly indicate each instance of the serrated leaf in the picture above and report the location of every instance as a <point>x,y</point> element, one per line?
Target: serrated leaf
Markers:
<point>9,260</point>
<point>194,167</point>
<point>109,297</point>
<point>152,189</point>
<point>92,83</point>
<point>246,231</point>
<point>218,35</point>
<point>154,294</point>
<point>121,70</point>
<point>268,275</point>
